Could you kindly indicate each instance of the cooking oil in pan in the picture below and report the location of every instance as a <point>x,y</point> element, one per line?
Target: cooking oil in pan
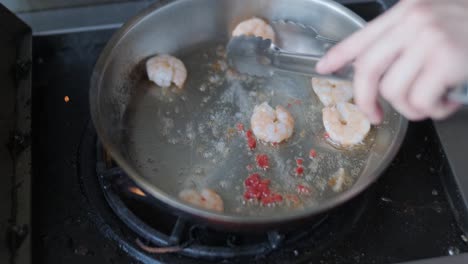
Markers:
<point>192,138</point>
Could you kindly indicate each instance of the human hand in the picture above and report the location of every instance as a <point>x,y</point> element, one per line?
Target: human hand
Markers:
<point>410,55</point>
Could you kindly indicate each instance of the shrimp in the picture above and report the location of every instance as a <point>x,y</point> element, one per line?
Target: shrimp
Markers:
<point>207,199</point>
<point>165,69</point>
<point>254,27</point>
<point>271,125</point>
<point>345,124</point>
<point>331,92</point>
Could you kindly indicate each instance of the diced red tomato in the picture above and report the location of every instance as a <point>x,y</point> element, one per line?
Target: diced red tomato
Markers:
<point>299,161</point>
<point>258,188</point>
<point>289,105</point>
<point>262,161</point>
<point>251,141</point>
<point>299,170</point>
<point>252,180</point>
<point>249,167</point>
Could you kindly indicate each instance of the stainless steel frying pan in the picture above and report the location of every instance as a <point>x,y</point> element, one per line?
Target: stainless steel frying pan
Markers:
<point>167,141</point>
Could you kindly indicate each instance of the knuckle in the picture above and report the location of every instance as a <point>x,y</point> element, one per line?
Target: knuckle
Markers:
<point>420,103</point>
<point>437,34</point>
<point>421,11</point>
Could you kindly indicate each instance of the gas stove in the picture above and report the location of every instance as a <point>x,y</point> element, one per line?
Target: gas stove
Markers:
<point>86,210</point>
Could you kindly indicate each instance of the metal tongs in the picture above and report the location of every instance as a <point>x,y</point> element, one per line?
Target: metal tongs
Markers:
<point>261,57</point>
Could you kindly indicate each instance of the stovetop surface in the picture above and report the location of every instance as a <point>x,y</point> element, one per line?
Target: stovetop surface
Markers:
<point>407,217</point>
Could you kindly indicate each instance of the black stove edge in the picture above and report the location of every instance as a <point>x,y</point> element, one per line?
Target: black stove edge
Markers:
<point>15,131</point>
<point>71,19</point>
<point>458,259</point>
<point>453,135</point>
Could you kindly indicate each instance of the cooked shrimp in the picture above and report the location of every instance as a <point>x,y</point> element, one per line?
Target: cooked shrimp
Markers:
<point>331,92</point>
<point>166,69</point>
<point>271,125</point>
<point>254,27</point>
<point>207,199</point>
<point>345,124</point>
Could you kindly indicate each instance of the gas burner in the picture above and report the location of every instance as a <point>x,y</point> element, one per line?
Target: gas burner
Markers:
<point>147,231</point>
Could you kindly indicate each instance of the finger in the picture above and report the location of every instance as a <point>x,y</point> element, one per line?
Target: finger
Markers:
<point>371,66</point>
<point>429,93</point>
<point>347,50</point>
<point>426,93</point>
<point>366,93</point>
<point>399,80</point>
